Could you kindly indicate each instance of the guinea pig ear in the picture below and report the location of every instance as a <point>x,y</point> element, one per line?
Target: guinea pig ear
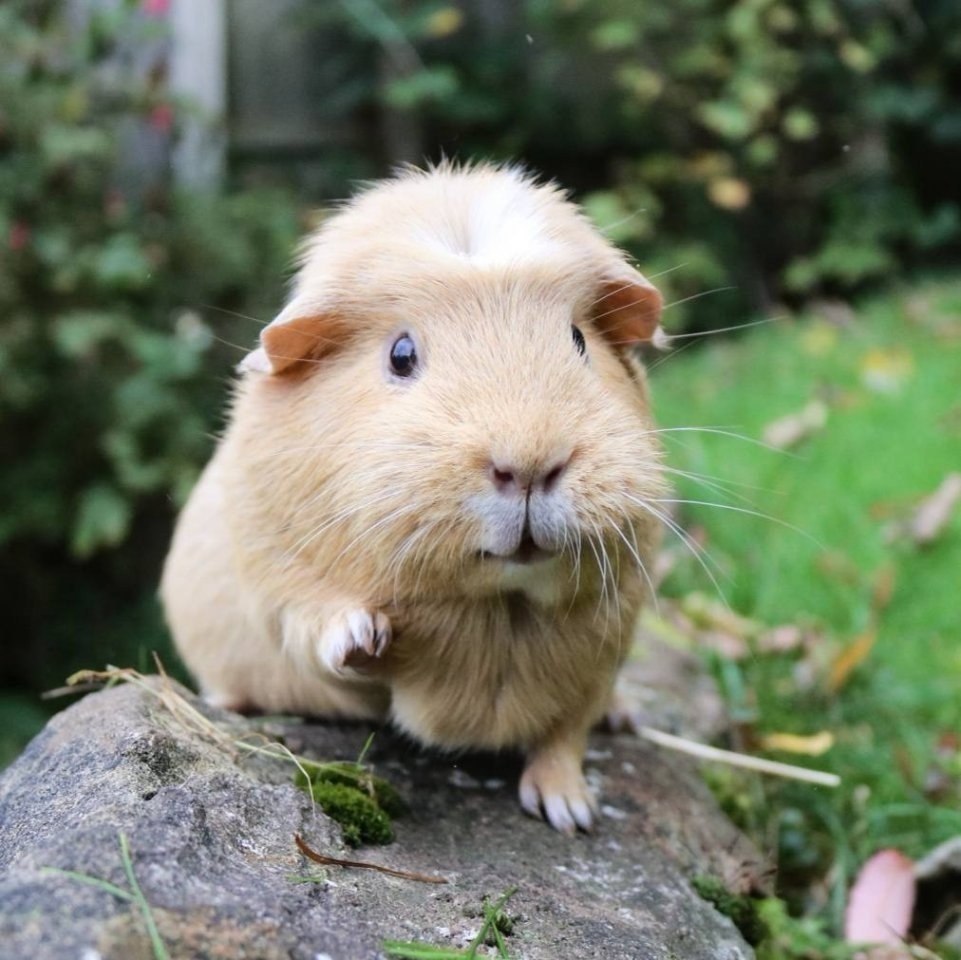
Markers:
<point>628,307</point>
<point>302,331</point>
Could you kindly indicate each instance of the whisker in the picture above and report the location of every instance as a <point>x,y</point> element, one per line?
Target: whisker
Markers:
<point>724,433</point>
<point>697,552</point>
<point>635,553</point>
<point>680,266</point>
<point>750,513</point>
<point>696,296</point>
<point>234,313</point>
<point>711,333</point>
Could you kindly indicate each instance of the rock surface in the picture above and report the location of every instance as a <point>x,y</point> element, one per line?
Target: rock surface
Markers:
<point>211,836</point>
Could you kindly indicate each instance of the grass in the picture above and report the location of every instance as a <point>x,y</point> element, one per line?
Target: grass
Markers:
<point>497,924</point>
<point>133,895</point>
<point>891,379</point>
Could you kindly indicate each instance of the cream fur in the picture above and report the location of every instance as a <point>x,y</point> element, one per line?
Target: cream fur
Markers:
<point>335,557</point>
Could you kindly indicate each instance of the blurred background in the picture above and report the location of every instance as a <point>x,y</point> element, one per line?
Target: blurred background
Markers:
<point>789,160</point>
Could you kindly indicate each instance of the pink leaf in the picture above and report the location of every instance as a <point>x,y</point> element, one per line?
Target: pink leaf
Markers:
<point>882,900</point>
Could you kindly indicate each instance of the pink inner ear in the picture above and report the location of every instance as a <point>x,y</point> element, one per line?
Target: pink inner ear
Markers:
<point>628,310</point>
<point>290,342</point>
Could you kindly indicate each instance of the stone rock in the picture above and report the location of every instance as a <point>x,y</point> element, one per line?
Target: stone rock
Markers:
<point>211,834</point>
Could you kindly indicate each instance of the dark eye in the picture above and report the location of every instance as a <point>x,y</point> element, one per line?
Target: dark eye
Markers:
<point>403,356</point>
<point>578,340</point>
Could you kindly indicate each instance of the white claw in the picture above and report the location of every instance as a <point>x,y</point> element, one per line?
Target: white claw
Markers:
<point>557,793</point>
<point>558,814</point>
<point>353,639</point>
<point>530,800</point>
<point>583,815</point>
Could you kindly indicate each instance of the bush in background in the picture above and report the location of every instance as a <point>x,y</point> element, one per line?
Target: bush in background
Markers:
<point>111,370</point>
<point>788,149</point>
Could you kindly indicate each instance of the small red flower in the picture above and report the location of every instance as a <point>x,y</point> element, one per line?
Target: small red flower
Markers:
<point>156,8</point>
<point>161,118</point>
<point>19,235</point>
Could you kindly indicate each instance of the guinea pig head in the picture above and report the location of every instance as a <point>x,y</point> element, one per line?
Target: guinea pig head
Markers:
<point>453,396</point>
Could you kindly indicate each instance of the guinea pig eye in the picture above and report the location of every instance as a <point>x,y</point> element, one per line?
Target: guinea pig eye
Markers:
<point>578,340</point>
<point>403,357</point>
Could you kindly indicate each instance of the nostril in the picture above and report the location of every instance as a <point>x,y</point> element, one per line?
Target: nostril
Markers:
<point>504,478</point>
<point>554,474</point>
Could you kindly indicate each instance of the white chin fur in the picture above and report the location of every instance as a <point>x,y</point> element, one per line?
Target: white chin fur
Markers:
<point>540,581</point>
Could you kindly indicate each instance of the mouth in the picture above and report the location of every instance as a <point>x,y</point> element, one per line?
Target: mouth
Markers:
<point>527,553</point>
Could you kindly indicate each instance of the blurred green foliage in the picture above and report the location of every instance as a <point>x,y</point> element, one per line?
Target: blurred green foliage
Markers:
<point>110,366</point>
<point>785,148</point>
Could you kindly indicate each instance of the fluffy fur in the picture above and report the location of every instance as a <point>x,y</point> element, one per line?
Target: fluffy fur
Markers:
<point>356,547</point>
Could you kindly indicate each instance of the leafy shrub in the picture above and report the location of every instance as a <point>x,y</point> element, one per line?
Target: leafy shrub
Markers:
<point>789,149</point>
<point>111,366</point>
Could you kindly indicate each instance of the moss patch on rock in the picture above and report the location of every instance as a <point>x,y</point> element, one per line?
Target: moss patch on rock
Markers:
<point>363,804</point>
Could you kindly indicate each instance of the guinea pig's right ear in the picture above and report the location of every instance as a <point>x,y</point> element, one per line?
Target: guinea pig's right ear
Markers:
<point>303,331</point>
<point>628,308</point>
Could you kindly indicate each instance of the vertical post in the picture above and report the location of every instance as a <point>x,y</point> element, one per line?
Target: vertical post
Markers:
<point>198,73</point>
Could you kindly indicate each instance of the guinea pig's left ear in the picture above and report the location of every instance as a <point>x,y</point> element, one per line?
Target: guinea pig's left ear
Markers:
<point>302,331</point>
<point>627,307</point>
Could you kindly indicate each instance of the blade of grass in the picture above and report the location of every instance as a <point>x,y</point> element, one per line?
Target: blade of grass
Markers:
<point>104,885</point>
<point>159,950</point>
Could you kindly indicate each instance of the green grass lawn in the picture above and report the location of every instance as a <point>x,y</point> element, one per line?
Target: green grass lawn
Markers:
<point>890,377</point>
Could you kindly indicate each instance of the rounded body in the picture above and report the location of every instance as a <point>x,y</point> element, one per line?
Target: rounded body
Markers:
<point>436,499</point>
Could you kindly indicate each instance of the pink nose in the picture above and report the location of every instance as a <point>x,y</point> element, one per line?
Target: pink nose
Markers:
<point>511,480</point>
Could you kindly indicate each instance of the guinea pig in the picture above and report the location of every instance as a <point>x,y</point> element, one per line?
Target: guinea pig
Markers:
<point>435,499</point>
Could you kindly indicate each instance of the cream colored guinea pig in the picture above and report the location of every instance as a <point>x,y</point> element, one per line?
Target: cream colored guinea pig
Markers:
<point>433,501</point>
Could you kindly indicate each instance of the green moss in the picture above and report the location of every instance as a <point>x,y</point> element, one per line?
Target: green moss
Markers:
<point>362,803</point>
<point>359,816</point>
<point>742,910</point>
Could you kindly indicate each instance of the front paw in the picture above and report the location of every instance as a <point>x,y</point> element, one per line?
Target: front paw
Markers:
<point>354,640</point>
<point>553,787</point>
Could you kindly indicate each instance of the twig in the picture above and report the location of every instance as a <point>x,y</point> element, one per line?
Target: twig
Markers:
<point>744,760</point>
<point>362,864</point>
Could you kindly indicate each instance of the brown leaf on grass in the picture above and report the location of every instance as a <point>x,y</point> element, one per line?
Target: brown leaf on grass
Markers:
<point>882,589</point>
<point>711,614</point>
<point>850,658</point>
<point>791,430</point>
<point>882,900</point>
<point>785,638</point>
<point>838,566</point>
<point>933,515</point>
<point>886,370</point>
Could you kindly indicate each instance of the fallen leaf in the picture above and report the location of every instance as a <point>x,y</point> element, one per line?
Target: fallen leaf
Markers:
<point>811,746</point>
<point>885,371</point>
<point>782,639</point>
<point>849,658</point>
<point>838,566</point>
<point>709,613</point>
<point>791,430</point>
<point>882,589</point>
<point>819,338</point>
<point>882,900</point>
<point>934,513</point>
<point>836,312</point>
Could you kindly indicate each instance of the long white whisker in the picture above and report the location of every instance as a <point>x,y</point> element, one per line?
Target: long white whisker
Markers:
<point>750,513</point>
<point>723,433</point>
<point>697,552</point>
<point>711,333</point>
<point>635,553</point>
